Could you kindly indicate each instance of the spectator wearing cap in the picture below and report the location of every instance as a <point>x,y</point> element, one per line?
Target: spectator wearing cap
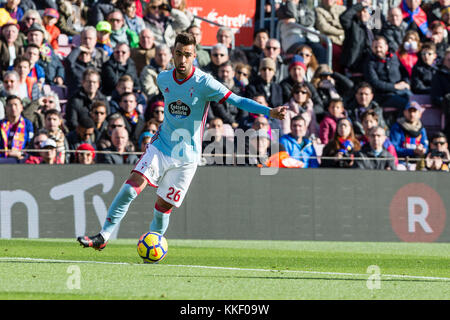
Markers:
<point>49,20</point>
<point>83,133</point>
<point>118,65</point>
<point>85,154</point>
<point>273,50</point>
<point>297,72</point>
<point>47,155</point>
<point>103,37</point>
<point>13,8</point>
<point>54,70</point>
<point>11,46</point>
<point>16,131</point>
<point>155,110</point>
<point>143,55</point>
<point>265,83</point>
<point>408,134</point>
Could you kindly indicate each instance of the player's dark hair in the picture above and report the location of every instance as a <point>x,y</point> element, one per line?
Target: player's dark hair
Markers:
<point>185,39</point>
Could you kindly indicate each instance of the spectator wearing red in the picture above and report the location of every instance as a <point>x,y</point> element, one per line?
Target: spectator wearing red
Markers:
<point>50,19</point>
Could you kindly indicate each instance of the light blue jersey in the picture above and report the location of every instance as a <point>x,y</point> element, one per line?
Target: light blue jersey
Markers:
<point>186,105</point>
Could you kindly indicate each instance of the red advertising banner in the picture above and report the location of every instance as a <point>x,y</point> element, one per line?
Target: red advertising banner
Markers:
<point>239,15</point>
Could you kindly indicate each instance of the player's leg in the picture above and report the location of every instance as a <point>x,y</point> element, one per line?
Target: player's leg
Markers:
<point>171,192</point>
<point>145,172</point>
<point>119,207</point>
<point>161,216</point>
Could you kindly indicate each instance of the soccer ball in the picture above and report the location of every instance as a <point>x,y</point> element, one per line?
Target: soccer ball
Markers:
<point>152,247</point>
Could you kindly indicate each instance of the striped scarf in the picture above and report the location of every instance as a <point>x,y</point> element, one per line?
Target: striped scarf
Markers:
<point>418,16</point>
<point>133,117</point>
<point>18,141</point>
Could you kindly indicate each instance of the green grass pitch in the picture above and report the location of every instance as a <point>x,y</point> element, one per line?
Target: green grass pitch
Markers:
<point>225,270</point>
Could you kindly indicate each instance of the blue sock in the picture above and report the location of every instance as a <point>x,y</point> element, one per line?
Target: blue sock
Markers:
<point>119,208</point>
<point>160,221</point>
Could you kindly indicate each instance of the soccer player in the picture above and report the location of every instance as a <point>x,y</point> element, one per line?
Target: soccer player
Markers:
<point>170,160</point>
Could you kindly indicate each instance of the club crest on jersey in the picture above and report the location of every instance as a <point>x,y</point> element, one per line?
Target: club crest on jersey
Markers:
<point>179,110</point>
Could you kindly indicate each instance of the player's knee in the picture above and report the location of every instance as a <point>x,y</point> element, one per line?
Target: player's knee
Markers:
<point>137,181</point>
<point>163,204</point>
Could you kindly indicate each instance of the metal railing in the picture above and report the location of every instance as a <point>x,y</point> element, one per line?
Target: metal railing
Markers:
<point>322,37</point>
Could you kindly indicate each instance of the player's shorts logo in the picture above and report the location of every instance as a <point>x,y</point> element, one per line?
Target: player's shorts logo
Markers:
<point>179,109</point>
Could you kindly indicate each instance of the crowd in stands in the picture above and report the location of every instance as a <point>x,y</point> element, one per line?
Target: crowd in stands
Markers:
<point>79,83</point>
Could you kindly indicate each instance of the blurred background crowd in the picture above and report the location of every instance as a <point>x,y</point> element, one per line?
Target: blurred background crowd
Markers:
<point>366,83</point>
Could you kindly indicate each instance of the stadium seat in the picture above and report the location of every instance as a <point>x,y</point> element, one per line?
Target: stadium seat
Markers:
<point>62,93</point>
<point>64,46</point>
<point>432,119</point>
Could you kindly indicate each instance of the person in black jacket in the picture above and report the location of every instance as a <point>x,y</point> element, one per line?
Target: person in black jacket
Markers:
<point>265,83</point>
<point>373,155</point>
<point>120,145</point>
<point>80,103</point>
<point>440,89</point>
<point>134,121</point>
<point>424,70</point>
<point>358,36</point>
<point>118,64</point>
<point>361,102</point>
<point>297,71</point>
<point>388,77</point>
<point>394,29</point>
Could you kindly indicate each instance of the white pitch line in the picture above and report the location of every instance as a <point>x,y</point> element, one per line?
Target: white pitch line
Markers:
<point>225,268</point>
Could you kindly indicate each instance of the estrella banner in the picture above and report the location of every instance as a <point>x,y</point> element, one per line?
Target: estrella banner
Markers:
<point>236,14</point>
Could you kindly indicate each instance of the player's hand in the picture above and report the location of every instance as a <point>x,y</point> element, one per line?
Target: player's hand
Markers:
<point>278,112</point>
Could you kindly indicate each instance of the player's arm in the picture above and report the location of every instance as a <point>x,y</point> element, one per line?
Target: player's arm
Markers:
<point>252,106</point>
